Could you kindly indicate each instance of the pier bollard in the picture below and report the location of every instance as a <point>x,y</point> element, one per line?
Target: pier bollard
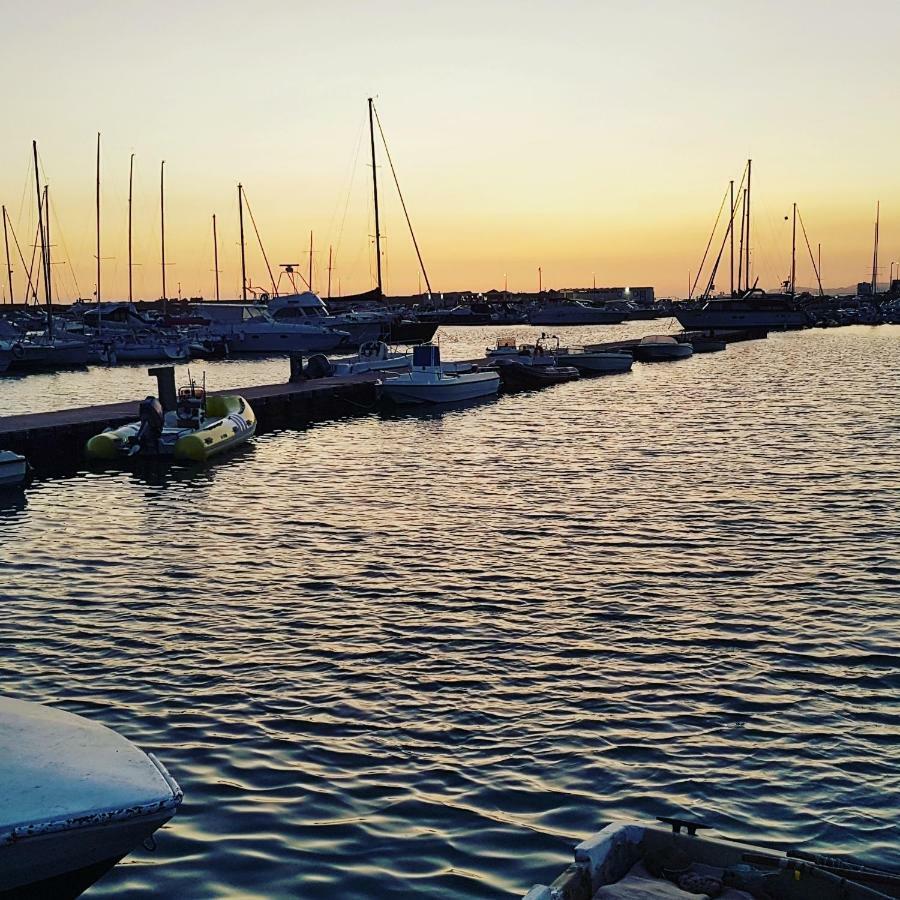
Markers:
<point>165,386</point>
<point>296,360</point>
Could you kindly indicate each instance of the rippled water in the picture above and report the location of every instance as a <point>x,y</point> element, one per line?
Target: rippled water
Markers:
<point>421,654</point>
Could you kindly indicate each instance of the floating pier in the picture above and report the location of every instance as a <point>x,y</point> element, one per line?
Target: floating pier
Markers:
<point>46,438</point>
<point>43,437</point>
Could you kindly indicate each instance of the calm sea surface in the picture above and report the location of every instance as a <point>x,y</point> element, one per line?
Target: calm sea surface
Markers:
<point>421,654</point>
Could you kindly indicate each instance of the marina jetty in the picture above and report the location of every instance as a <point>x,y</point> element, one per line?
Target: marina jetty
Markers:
<point>46,438</point>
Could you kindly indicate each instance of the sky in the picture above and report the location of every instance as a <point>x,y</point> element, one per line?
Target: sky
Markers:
<point>591,139</point>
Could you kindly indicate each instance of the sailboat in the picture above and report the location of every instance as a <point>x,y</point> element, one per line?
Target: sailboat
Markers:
<point>47,349</point>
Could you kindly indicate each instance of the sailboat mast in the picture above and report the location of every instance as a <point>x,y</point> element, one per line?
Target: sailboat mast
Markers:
<point>747,267</point>
<point>49,260</point>
<point>216,255</point>
<point>243,254</point>
<point>44,240</point>
<point>310,282</point>
<point>875,253</point>
<point>329,271</point>
<point>794,254</point>
<point>98,226</point>
<point>731,237</point>
<point>162,232</point>
<point>375,196</point>
<point>130,186</point>
<point>740,271</point>
<point>8,266</point>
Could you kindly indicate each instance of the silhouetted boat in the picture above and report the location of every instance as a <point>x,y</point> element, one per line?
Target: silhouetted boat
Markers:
<point>755,309</point>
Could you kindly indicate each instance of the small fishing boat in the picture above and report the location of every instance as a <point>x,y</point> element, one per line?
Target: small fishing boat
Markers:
<point>595,362</point>
<point>519,376</point>
<point>625,861</point>
<point>373,356</point>
<point>77,797</point>
<point>505,347</point>
<point>428,382</point>
<point>13,469</point>
<point>705,343</point>
<point>655,347</point>
<point>199,428</point>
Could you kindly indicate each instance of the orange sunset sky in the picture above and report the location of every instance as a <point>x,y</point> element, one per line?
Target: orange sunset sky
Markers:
<point>588,138</point>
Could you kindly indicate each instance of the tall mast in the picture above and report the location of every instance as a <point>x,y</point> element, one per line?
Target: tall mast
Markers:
<point>49,260</point>
<point>329,271</point>
<point>747,267</point>
<point>216,255</point>
<point>875,253</point>
<point>740,272</point>
<point>162,232</point>
<point>130,184</point>
<point>731,237</point>
<point>794,254</point>
<point>8,266</point>
<point>45,264</point>
<point>243,254</point>
<point>310,260</point>
<point>820,268</point>
<point>98,226</point>
<point>540,274</point>
<point>375,195</point>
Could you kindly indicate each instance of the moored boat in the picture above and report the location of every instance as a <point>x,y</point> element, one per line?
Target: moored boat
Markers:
<point>428,382</point>
<point>625,861</point>
<point>13,469</point>
<point>595,362</point>
<point>199,428</point>
<point>755,309</point>
<point>519,376</point>
<point>657,347</point>
<point>77,797</point>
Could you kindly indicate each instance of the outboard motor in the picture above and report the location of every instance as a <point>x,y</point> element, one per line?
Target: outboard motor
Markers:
<point>152,420</point>
<point>319,366</point>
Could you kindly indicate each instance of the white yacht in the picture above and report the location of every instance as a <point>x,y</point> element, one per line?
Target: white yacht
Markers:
<point>309,308</point>
<point>755,309</point>
<point>574,312</point>
<point>251,329</point>
<point>77,797</point>
<point>429,382</point>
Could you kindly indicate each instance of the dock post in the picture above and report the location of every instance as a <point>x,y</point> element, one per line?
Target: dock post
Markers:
<point>165,386</point>
<point>296,360</point>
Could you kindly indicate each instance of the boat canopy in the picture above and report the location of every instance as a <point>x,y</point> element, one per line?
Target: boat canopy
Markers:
<point>426,355</point>
<point>658,339</point>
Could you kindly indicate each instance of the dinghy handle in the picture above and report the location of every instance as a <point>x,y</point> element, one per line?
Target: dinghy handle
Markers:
<point>677,824</point>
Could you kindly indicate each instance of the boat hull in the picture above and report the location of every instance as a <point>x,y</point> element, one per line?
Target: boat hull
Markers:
<point>704,320</point>
<point>409,332</point>
<point>662,352</point>
<point>13,469</point>
<point>516,376</point>
<point>28,357</point>
<point>596,363</point>
<point>77,798</point>
<point>449,389</point>
<point>283,342</point>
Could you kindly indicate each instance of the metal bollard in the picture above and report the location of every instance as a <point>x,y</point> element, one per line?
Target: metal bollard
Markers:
<point>296,360</point>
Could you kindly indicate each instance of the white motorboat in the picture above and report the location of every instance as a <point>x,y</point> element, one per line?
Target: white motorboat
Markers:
<point>595,362</point>
<point>626,861</point>
<point>308,308</point>
<point>429,382</point>
<point>656,347</point>
<point>251,329</point>
<point>45,352</point>
<point>150,348</point>
<point>505,347</point>
<point>13,469</point>
<point>373,356</point>
<point>574,312</point>
<point>77,797</point>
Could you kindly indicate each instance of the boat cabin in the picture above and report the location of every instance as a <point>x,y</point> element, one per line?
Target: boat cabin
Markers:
<point>426,356</point>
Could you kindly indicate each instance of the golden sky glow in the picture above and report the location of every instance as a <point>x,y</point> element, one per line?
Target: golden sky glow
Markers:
<point>584,137</point>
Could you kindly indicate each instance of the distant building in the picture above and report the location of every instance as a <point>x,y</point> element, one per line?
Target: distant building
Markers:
<point>864,289</point>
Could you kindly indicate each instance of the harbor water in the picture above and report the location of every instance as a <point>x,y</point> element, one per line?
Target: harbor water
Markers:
<point>422,653</point>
